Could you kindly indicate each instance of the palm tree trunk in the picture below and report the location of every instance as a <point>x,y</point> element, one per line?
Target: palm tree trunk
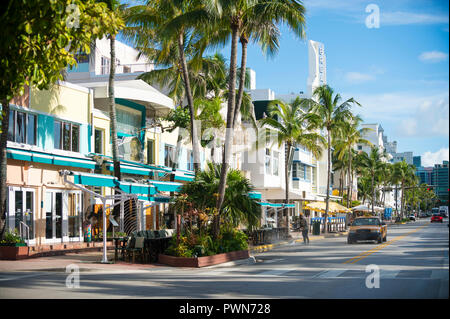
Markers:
<point>229,126</point>
<point>187,87</point>
<point>327,205</point>
<point>373,191</point>
<point>349,186</point>
<point>402,200</point>
<point>244,42</point>
<point>286,174</point>
<point>3,163</point>
<point>113,117</point>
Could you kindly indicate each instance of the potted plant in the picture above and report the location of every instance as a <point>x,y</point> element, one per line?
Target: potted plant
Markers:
<point>13,247</point>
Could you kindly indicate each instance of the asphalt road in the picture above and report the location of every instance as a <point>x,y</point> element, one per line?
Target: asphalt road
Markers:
<point>413,263</point>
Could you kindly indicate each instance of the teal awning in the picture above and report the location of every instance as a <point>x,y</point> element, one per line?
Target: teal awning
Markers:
<point>47,158</point>
<point>266,204</point>
<point>255,195</point>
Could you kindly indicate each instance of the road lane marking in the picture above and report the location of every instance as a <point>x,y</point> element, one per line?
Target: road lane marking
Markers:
<point>276,272</point>
<point>381,246</point>
<point>333,273</point>
<point>388,274</point>
<point>23,276</point>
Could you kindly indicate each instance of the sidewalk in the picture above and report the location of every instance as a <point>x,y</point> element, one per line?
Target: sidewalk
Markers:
<point>91,260</point>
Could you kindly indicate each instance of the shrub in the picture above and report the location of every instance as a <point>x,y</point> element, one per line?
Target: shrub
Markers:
<point>12,238</point>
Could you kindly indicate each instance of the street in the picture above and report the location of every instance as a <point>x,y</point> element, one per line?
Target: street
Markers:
<point>413,263</point>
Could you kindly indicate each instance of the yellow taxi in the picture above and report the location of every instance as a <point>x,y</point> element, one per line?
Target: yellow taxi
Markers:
<point>367,228</point>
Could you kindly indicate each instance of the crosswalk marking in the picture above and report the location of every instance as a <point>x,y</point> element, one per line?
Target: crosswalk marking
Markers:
<point>388,274</point>
<point>330,273</point>
<point>276,272</point>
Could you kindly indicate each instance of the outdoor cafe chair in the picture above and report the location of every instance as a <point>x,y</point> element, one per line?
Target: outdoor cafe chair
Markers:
<point>138,249</point>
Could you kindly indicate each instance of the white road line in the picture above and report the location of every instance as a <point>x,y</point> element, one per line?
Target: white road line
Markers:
<point>388,273</point>
<point>275,272</point>
<point>333,273</point>
<point>23,276</point>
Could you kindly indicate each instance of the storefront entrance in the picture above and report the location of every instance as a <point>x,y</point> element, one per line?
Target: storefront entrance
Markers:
<point>21,211</point>
<point>63,216</point>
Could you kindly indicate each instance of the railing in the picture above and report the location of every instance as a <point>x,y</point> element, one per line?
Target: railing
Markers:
<point>22,229</point>
<point>334,224</point>
<point>267,235</point>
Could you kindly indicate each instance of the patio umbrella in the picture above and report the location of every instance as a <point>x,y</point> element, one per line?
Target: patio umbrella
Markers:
<point>332,208</point>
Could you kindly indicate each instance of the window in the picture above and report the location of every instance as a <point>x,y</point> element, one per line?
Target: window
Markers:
<point>275,162</point>
<point>126,69</point>
<point>150,152</point>
<point>169,155</point>
<point>22,127</point>
<point>82,57</point>
<point>190,160</point>
<point>66,136</point>
<point>294,170</point>
<point>268,162</point>
<point>99,137</point>
<point>105,65</point>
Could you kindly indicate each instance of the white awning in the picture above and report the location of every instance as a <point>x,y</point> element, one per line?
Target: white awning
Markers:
<point>137,91</point>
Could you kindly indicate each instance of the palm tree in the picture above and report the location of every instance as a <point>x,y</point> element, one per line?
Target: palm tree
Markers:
<point>341,166</point>
<point>364,188</point>
<point>238,207</point>
<point>171,24</point>
<point>372,164</point>
<point>118,10</point>
<point>292,128</point>
<point>240,17</point>
<point>331,114</point>
<point>346,139</point>
<point>402,173</point>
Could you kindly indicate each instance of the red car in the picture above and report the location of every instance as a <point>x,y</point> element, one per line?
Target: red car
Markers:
<point>436,218</point>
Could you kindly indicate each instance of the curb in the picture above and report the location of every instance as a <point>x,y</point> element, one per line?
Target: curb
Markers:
<point>264,248</point>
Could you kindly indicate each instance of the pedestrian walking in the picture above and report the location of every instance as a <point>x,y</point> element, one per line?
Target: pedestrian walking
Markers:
<point>305,229</point>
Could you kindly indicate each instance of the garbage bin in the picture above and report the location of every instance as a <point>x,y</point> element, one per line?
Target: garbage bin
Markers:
<point>316,228</point>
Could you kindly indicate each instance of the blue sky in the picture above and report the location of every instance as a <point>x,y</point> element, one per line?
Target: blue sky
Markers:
<point>398,72</point>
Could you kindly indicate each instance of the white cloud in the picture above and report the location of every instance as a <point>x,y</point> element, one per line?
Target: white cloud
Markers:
<point>412,114</point>
<point>433,56</point>
<point>357,77</point>
<point>430,158</point>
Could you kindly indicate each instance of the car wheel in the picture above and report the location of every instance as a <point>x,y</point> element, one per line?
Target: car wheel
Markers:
<point>349,241</point>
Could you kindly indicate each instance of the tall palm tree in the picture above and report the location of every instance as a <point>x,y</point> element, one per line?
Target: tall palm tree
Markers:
<point>402,173</point>
<point>364,188</point>
<point>171,24</point>
<point>341,166</point>
<point>292,128</point>
<point>346,139</point>
<point>118,10</point>
<point>238,17</point>
<point>372,163</point>
<point>331,114</point>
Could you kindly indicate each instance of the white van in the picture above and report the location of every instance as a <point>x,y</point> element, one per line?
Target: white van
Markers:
<point>443,210</point>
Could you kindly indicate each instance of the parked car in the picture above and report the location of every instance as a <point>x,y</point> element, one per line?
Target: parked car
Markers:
<point>367,228</point>
<point>437,218</point>
<point>423,215</point>
<point>412,217</point>
<point>429,214</point>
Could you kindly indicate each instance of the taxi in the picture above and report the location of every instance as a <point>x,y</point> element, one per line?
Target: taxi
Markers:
<point>367,228</point>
